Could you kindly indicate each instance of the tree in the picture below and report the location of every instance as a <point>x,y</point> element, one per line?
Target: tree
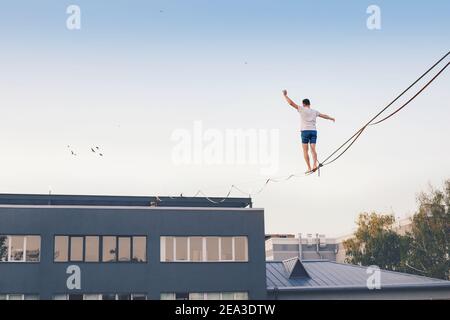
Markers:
<point>424,250</point>
<point>375,243</point>
<point>3,248</point>
<point>429,250</point>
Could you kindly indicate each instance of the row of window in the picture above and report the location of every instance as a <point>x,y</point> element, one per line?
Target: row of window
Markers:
<point>20,248</point>
<point>134,296</point>
<point>100,248</point>
<point>204,249</point>
<point>83,248</point>
<point>101,296</point>
<point>205,296</point>
<point>19,296</point>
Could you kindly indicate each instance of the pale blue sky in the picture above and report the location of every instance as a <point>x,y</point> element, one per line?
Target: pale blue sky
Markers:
<point>133,74</point>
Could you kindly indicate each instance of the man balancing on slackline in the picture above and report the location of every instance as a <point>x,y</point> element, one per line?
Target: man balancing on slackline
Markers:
<point>308,118</point>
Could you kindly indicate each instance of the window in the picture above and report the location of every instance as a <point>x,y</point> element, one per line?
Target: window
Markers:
<point>76,248</point>
<point>124,249</point>
<point>181,248</point>
<point>241,296</point>
<point>99,296</point>
<point>322,240</point>
<point>3,248</point>
<point>108,297</point>
<point>241,248</point>
<point>33,248</point>
<point>139,249</point>
<point>16,248</point>
<point>226,248</point>
<point>20,248</point>
<point>109,249</point>
<point>19,297</point>
<point>196,296</point>
<point>181,296</point>
<point>212,249</point>
<point>309,238</point>
<point>205,296</point>
<point>92,249</point>
<point>167,248</point>
<point>61,253</point>
<point>212,296</point>
<point>75,296</point>
<point>175,296</point>
<point>196,249</point>
<point>167,296</point>
<point>204,249</point>
<point>227,296</point>
<point>138,296</point>
<point>124,297</point>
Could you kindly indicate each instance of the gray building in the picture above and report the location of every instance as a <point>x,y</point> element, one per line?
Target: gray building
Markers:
<point>294,279</point>
<point>312,247</point>
<point>121,247</point>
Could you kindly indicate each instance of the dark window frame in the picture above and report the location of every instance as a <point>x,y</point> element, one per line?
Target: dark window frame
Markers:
<point>24,253</point>
<point>100,236</point>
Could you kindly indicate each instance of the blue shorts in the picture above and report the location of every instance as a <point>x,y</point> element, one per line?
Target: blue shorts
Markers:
<point>309,136</point>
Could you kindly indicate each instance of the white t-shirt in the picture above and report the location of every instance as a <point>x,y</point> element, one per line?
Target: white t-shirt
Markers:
<point>308,118</point>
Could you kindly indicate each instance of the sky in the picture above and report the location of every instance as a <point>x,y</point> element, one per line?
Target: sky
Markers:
<point>138,71</point>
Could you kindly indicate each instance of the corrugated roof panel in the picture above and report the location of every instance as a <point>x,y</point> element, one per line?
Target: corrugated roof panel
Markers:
<point>326,274</point>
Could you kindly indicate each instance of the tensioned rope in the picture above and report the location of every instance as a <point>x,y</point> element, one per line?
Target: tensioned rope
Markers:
<point>358,133</point>
<point>347,144</point>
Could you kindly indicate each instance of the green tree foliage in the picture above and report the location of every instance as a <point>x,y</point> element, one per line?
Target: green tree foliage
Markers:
<point>375,243</point>
<point>430,235</point>
<point>3,248</point>
<point>423,250</point>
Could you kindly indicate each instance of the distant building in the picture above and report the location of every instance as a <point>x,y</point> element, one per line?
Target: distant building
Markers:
<point>316,246</point>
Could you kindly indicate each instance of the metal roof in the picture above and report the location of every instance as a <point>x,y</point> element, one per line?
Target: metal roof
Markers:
<point>122,201</point>
<point>328,275</point>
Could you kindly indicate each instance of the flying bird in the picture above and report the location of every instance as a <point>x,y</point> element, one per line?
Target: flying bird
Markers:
<point>92,149</point>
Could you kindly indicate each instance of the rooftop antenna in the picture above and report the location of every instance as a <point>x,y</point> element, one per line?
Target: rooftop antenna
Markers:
<point>300,248</point>
<point>49,195</point>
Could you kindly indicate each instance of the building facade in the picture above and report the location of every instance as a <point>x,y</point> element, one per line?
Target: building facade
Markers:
<point>317,246</point>
<point>312,247</point>
<point>106,247</point>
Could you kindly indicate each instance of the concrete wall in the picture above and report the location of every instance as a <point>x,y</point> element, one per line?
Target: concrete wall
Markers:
<point>153,277</point>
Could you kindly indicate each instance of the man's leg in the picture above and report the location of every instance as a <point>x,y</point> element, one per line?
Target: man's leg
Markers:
<point>314,156</point>
<point>306,155</point>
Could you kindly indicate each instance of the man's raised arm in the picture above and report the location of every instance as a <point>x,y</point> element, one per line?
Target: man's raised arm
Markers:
<point>292,103</point>
<point>325,116</point>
